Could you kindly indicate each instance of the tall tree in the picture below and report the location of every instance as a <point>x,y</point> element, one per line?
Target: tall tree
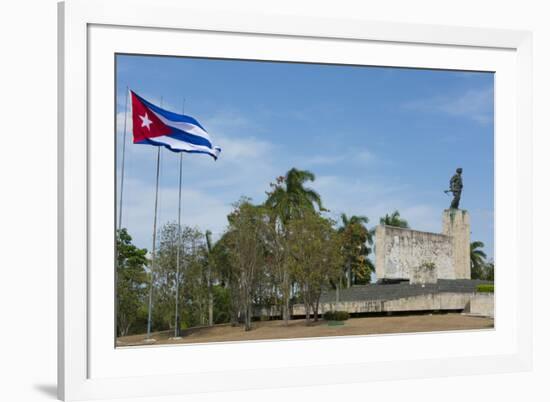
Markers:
<point>315,248</point>
<point>165,277</point>
<point>289,198</point>
<point>131,282</point>
<point>278,264</point>
<point>192,293</point>
<point>223,262</point>
<point>394,219</point>
<point>477,259</point>
<point>247,225</point>
<point>357,243</point>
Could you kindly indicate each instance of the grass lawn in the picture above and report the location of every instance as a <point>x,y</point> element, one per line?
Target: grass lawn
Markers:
<point>264,330</point>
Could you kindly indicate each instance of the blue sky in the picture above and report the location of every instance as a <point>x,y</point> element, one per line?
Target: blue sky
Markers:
<point>378,139</point>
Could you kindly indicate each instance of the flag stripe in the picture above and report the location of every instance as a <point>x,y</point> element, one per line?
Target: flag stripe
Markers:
<point>175,117</point>
<point>179,146</point>
<point>177,132</point>
<point>186,135</point>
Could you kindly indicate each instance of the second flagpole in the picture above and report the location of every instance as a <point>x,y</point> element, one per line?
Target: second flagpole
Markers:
<point>177,316</point>
<point>177,323</point>
<point>149,315</point>
<point>150,307</point>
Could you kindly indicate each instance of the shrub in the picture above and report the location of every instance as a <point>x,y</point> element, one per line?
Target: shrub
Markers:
<point>486,288</point>
<point>428,265</point>
<point>336,315</point>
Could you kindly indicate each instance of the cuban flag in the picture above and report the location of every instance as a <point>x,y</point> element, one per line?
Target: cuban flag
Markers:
<point>177,132</point>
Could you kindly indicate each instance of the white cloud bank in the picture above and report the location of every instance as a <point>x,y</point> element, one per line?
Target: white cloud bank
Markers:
<point>474,104</point>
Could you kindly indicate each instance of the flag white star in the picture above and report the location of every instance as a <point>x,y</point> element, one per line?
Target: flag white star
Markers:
<point>145,122</point>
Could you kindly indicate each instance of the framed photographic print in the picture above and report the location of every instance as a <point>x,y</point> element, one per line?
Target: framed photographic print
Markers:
<point>254,195</point>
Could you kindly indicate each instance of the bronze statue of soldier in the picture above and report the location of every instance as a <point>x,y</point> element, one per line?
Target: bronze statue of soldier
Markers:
<point>455,187</point>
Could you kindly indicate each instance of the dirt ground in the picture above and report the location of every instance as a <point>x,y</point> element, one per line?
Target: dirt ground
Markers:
<point>298,329</point>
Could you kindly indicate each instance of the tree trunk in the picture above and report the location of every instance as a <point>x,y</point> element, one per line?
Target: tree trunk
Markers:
<point>210,299</point>
<point>287,308</point>
<point>210,309</point>
<point>248,317</point>
<point>306,306</point>
<point>286,297</point>
<point>233,314</point>
<point>316,309</point>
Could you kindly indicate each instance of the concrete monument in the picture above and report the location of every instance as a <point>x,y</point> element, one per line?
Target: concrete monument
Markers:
<point>404,254</point>
<point>400,252</point>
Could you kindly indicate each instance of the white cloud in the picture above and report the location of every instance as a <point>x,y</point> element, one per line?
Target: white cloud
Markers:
<point>475,104</point>
<point>199,209</point>
<point>238,149</point>
<point>374,198</point>
<point>228,120</point>
<point>349,156</point>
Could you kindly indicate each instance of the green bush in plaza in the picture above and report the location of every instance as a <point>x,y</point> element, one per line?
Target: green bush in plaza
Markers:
<point>336,315</point>
<point>486,288</point>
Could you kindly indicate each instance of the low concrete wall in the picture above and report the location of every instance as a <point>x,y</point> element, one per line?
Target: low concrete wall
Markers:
<point>482,304</point>
<point>427,302</point>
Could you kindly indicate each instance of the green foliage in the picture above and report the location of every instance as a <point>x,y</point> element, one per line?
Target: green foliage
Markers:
<point>356,246</point>
<point>193,292</point>
<point>288,196</point>
<point>477,260</point>
<point>222,304</point>
<point>315,248</point>
<point>248,224</point>
<point>288,199</point>
<point>428,265</point>
<point>131,284</point>
<point>394,220</point>
<point>336,315</point>
<point>485,288</point>
<point>271,255</point>
<point>489,271</point>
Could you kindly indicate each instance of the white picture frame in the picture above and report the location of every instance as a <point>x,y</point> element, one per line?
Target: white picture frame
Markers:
<point>91,32</point>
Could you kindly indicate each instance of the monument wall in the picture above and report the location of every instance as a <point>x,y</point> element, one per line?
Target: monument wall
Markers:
<point>400,252</point>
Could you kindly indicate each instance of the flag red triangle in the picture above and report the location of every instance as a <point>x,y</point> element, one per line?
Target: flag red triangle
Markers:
<point>145,122</point>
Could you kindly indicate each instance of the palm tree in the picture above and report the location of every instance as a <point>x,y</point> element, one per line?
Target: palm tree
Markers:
<point>394,220</point>
<point>477,259</point>
<point>357,239</point>
<point>289,197</point>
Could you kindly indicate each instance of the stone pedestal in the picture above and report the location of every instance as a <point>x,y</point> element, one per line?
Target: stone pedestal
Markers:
<point>456,225</point>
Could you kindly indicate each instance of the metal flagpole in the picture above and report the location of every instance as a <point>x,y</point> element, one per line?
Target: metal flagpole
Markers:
<point>150,308</point>
<point>177,326</point>
<point>123,160</point>
<point>154,249</point>
<point>120,200</point>
<point>177,329</point>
